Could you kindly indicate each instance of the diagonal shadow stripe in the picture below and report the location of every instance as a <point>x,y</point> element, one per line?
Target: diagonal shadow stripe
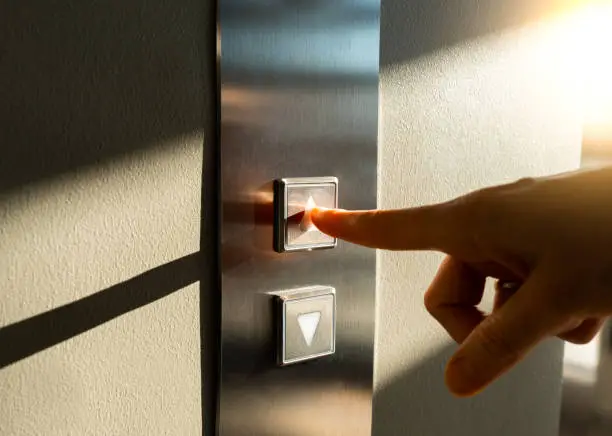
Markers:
<point>32,335</point>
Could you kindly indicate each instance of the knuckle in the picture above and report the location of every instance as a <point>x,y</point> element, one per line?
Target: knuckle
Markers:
<point>592,331</point>
<point>563,300</point>
<point>487,210</point>
<point>583,334</point>
<point>431,302</point>
<point>364,219</point>
<point>473,215</point>
<point>524,182</point>
<point>371,220</point>
<point>579,339</point>
<point>496,344</point>
<point>433,299</point>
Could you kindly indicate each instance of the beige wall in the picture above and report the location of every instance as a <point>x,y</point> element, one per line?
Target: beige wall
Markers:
<point>103,119</point>
<point>473,93</point>
<point>102,131</point>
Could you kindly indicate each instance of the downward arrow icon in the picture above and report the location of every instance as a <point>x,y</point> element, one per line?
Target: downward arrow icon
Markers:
<point>308,325</point>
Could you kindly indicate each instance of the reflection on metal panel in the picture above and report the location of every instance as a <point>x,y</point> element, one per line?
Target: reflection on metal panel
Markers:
<point>299,98</point>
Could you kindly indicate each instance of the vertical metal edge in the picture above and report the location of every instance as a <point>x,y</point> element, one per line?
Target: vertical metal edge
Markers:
<point>279,207</point>
<point>212,218</point>
<point>280,328</point>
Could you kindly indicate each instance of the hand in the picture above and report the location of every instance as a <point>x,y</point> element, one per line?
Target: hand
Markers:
<point>548,242</point>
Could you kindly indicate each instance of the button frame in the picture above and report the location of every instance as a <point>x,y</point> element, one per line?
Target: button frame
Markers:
<point>309,296</point>
<point>281,215</point>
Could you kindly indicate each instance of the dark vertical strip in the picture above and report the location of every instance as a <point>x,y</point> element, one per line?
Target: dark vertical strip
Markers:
<point>210,287</point>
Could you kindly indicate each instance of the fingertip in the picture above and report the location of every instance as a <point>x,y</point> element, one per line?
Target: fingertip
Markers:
<point>461,378</point>
<point>318,214</point>
<point>319,218</point>
<point>324,218</point>
<point>318,211</point>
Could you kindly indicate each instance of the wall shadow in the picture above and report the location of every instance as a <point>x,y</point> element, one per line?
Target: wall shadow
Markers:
<point>429,25</point>
<point>82,82</point>
<point>523,402</point>
<point>32,335</point>
<point>580,414</point>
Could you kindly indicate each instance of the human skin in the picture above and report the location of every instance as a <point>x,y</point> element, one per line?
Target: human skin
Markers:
<point>547,241</point>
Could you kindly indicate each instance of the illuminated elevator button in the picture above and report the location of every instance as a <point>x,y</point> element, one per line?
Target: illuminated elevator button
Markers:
<point>307,324</point>
<point>294,199</point>
<point>306,225</point>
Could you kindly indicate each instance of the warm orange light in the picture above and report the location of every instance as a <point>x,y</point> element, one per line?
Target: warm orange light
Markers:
<point>583,47</point>
<point>595,34</point>
<point>592,30</point>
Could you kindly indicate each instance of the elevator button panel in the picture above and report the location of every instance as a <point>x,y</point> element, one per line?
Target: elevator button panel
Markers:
<point>306,324</point>
<point>294,198</point>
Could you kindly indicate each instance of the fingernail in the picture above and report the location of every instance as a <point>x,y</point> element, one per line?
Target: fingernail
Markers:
<point>462,377</point>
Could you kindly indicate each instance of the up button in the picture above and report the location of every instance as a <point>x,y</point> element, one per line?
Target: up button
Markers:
<point>293,200</point>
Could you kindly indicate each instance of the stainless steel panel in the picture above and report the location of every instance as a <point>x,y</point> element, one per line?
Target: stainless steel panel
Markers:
<point>299,98</point>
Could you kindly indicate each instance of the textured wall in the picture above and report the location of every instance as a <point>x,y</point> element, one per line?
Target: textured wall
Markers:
<point>102,121</point>
<point>101,129</point>
<point>473,93</point>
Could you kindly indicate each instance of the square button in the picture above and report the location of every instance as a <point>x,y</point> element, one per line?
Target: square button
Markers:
<point>293,200</point>
<point>307,324</point>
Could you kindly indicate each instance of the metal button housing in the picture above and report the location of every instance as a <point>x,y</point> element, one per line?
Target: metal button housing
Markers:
<point>307,324</point>
<point>293,198</point>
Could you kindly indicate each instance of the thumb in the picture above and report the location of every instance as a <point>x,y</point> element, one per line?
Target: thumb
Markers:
<point>503,339</point>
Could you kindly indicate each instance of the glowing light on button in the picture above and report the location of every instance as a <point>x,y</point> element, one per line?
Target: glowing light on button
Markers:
<point>306,225</point>
<point>310,204</point>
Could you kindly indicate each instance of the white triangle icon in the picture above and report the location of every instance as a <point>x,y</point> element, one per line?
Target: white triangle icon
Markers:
<point>306,224</point>
<point>308,325</point>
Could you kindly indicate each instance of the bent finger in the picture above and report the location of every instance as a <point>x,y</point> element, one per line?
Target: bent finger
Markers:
<point>453,296</point>
<point>503,339</point>
<point>585,332</point>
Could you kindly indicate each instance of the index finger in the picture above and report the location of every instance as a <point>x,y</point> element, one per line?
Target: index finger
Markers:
<point>420,228</point>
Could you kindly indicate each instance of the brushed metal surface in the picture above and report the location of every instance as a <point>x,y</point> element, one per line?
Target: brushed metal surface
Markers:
<point>299,98</point>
